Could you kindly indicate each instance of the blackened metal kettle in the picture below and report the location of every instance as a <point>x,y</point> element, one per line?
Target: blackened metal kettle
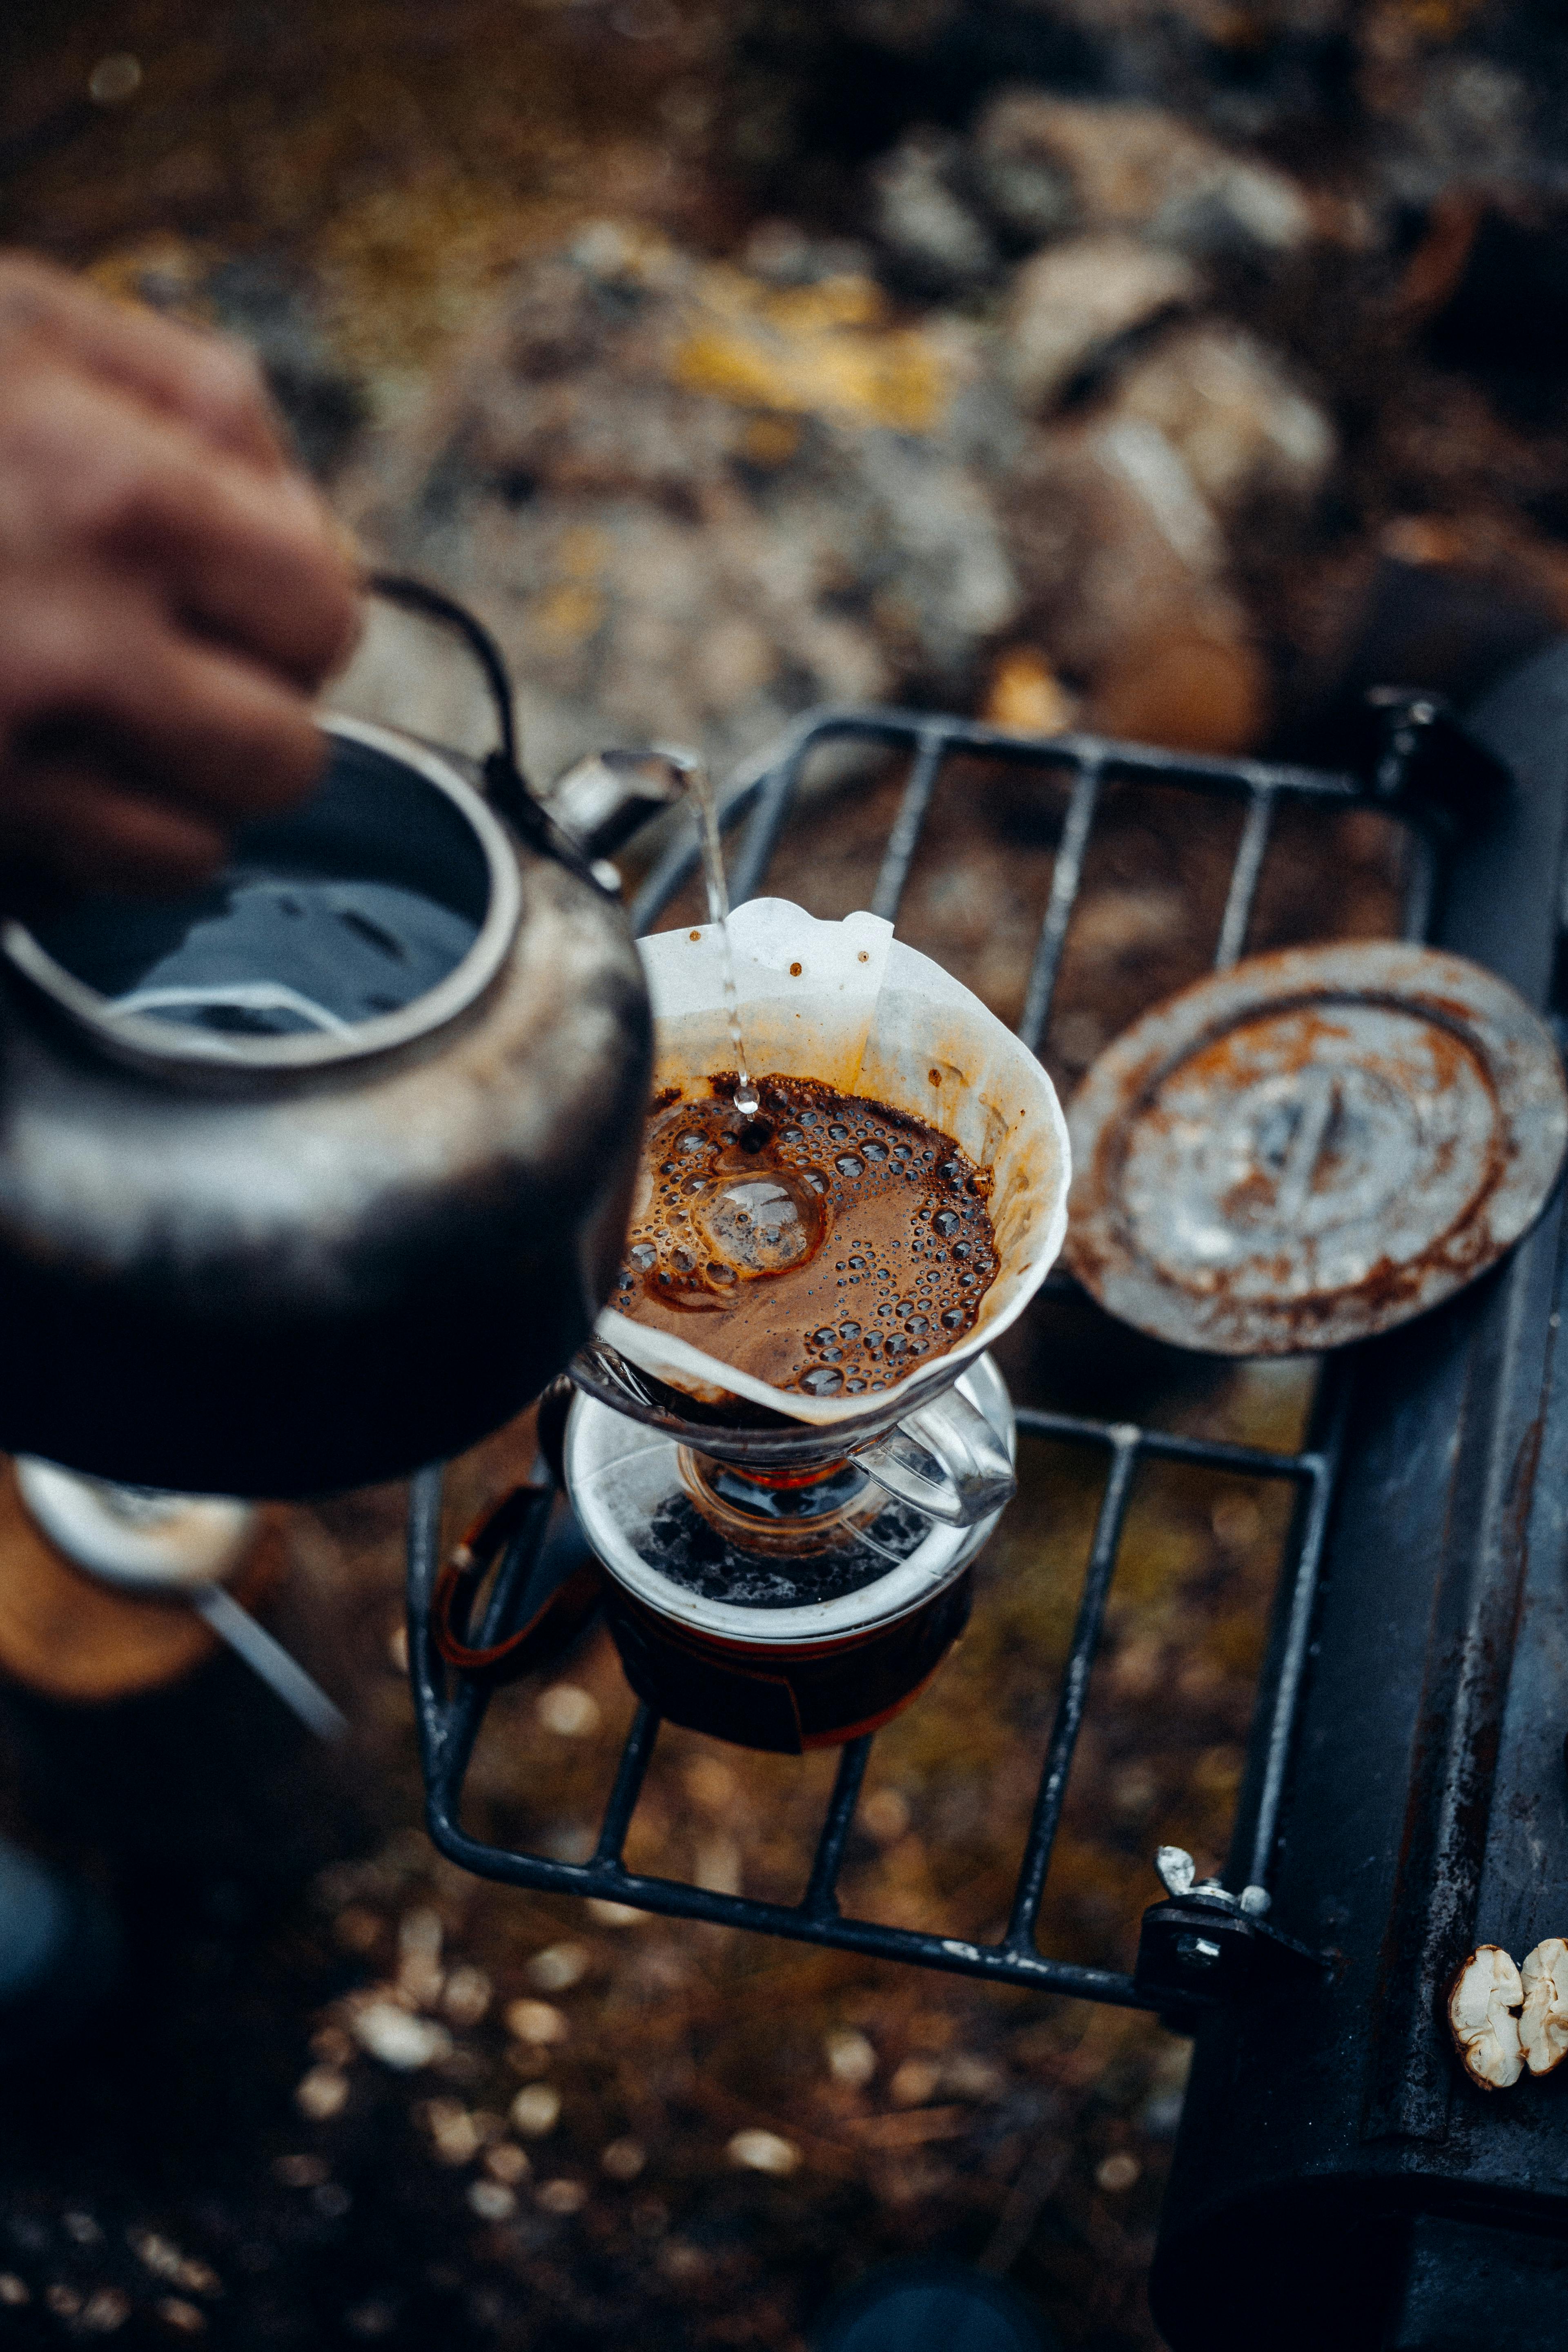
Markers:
<point>322,1172</point>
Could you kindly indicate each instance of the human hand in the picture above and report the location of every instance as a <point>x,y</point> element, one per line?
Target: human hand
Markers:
<point>172,591</point>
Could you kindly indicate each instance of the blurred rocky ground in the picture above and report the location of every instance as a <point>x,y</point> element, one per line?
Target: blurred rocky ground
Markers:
<point>1171,369</point>
<point>1128,365</point>
<point>1081,414</point>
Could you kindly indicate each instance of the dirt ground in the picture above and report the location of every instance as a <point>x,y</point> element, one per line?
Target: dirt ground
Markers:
<point>592,2126</point>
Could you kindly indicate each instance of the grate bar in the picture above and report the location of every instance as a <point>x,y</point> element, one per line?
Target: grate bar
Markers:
<point>1067,874</point>
<point>820,1900</point>
<point>1074,1695</point>
<point>1121,761</point>
<point>1169,1446</point>
<point>677,1900</point>
<point>774,799</point>
<point>448,1727</point>
<point>1243,879</point>
<point>1322,1478</point>
<point>761,800</point>
<point>630,1773</point>
<point>905,835</point>
<point>1420,885</point>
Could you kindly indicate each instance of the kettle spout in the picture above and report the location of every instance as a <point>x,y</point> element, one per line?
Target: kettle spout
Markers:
<point>601,800</point>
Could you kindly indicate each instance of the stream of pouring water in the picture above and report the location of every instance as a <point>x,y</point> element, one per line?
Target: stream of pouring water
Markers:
<point>700,785</point>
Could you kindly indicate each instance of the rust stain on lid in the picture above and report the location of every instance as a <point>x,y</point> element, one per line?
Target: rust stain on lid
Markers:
<point>1312,1148</point>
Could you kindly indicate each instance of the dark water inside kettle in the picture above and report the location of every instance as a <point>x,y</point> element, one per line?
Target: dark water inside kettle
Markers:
<point>341,911</point>
<point>265,953</point>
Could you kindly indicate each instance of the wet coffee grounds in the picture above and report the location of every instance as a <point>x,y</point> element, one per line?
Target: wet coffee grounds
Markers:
<point>828,1245</point>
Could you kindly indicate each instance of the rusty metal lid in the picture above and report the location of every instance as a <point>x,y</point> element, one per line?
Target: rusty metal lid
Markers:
<point>1311,1148</point>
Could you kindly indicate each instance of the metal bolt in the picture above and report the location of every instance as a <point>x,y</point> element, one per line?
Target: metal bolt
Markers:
<point>1176,1868</point>
<point>1254,1901</point>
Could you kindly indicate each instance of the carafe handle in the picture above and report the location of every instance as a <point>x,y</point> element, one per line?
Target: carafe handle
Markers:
<point>946,1459</point>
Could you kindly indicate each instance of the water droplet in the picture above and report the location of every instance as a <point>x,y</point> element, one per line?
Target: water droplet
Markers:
<point>900,1150</point>
<point>875,1150</point>
<point>917,1323</point>
<point>952,1170</point>
<point>792,1135</point>
<point>690,1142</point>
<point>954,1317</point>
<point>848,1330</point>
<point>847,1165</point>
<point>856,1264</point>
<point>837,1132</point>
<point>822,1381</point>
<point>808,1118</point>
<point>826,1336</point>
<point>644,1255</point>
<point>944,1222</point>
<point>832,1355</point>
<point>961,1249</point>
<point>856,1386</point>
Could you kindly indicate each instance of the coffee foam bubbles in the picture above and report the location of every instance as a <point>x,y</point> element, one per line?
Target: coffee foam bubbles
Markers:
<point>847,1004</point>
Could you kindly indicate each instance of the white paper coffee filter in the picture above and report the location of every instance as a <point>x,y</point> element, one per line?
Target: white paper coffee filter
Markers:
<point>850,1005</point>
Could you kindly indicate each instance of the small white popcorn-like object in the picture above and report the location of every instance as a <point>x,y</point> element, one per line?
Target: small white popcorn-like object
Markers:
<point>1543,2020</point>
<point>1483,2017</point>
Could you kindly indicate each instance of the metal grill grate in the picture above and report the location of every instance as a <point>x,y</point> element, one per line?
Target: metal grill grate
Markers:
<point>758,807</point>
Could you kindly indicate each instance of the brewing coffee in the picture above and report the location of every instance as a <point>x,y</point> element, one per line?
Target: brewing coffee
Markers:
<point>825,1245</point>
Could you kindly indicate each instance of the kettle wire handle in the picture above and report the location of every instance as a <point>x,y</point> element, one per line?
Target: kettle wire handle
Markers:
<point>504,782</point>
<point>418,596</point>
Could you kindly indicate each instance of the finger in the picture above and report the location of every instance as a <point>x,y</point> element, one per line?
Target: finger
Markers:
<point>245,558</point>
<point>187,724</point>
<point>82,830</point>
<point>211,383</point>
<point>242,564</point>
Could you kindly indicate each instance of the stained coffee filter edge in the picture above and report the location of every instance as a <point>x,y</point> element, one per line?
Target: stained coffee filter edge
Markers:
<point>847,1003</point>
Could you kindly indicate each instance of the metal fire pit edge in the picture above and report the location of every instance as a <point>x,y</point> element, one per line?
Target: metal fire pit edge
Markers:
<point>1337,2178</point>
